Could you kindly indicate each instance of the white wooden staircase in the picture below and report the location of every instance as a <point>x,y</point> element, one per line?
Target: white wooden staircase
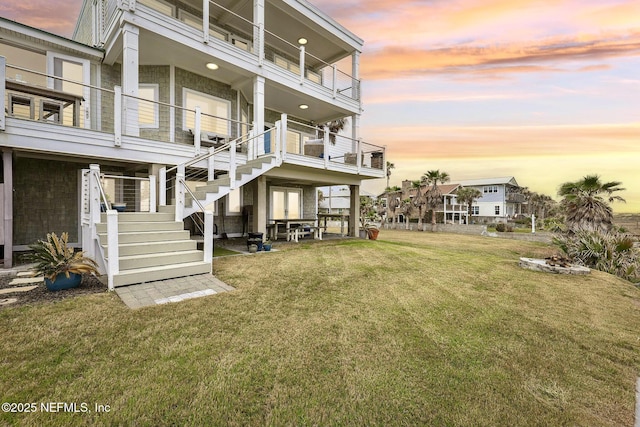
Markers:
<point>220,187</point>
<point>152,246</point>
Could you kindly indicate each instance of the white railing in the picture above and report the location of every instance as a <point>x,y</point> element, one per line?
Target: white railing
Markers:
<point>104,109</point>
<point>93,198</point>
<point>218,23</point>
<point>251,146</point>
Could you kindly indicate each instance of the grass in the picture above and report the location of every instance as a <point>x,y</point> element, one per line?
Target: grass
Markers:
<point>219,251</point>
<point>412,329</point>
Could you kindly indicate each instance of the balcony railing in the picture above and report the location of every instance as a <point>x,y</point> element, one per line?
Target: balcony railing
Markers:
<point>110,112</point>
<point>263,43</point>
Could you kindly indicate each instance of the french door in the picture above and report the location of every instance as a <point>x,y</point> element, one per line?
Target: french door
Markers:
<point>286,203</point>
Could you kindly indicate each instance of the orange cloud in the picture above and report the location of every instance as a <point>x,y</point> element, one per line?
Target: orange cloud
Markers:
<point>439,142</point>
<point>397,61</point>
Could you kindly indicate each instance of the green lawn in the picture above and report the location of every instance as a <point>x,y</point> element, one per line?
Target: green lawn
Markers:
<point>412,329</point>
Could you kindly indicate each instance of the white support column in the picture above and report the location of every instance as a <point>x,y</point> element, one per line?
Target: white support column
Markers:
<point>117,116</point>
<point>355,127</point>
<point>172,102</point>
<point>258,112</point>
<point>335,81</point>
<point>211,165</point>
<point>163,187</point>
<point>3,78</point>
<point>130,64</point>
<point>302,57</point>
<point>359,155</point>
<point>205,21</point>
<point>179,190</point>
<point>327,143</point>
<point>152,194</point>
<point>258,29</point>
<point>260,213</point>
<point>113,254</point>
<point>354,211</point>
<point>283,136</point>
<point>7,165</point>
<point>251,145</point>
<point>355,70</point>
<point>208,236</point>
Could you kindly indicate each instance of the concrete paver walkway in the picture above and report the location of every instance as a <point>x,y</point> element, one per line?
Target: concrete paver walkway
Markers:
<point>171,290</point>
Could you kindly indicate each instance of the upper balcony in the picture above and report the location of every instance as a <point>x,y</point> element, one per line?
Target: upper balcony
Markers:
<point>69,117</point>
<point>294,46</point>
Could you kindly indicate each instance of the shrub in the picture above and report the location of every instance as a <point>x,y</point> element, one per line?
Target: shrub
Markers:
<point>509,228</point>
<point>500,227</point>
<point>610,252</point>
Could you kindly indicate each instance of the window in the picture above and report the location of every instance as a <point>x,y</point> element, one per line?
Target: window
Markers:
<point>241,43</point>
<point>293,142</point>
<point>234,201</point>
<point>475,210</point>
<point>490,189</point>
<point>286,64</point>
<point>195,22</point>
<point>160,6</point>
<point>148,110</point>
<point>216,112</point>
<point>497,210</point>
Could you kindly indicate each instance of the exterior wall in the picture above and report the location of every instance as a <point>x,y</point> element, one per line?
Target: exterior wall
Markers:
<point>159,75</point>
<point>84,26</point>
<point>45,199</point>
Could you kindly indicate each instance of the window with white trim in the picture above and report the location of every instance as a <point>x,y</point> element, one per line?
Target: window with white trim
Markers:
<point>497,210</point>
<point>490,189</point>
<point>148,110</point>
<point>475,210</point>
<point>286,203</point>
<point>160,5</point>
<point>215,112</point>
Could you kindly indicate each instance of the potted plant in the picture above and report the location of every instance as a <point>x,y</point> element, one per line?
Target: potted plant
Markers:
<point>368,218</point>
<point>60,265</point>
<point>267,245</point>
<point>372,231</point>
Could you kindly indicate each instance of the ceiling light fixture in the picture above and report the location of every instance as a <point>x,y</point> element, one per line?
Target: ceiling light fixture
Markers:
<point>302,41</point>
<point>303,106</point>
<point>212,66</point>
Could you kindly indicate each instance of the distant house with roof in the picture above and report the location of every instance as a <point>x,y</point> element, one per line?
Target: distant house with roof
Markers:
<point>500,201</point>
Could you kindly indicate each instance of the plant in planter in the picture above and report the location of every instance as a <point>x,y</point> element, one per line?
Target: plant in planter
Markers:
<point>368,218</point>
<point>61,267</point>
<point>266,245</point>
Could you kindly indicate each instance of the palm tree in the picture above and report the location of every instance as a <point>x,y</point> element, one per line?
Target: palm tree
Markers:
<point>586,203</point>
<point>406,207</point>
<point>433,194</point>
<point>334,126</point>
<point>419,200</point>
<point>468,195</point>
<point>389,167</point>
<point>393,201</point>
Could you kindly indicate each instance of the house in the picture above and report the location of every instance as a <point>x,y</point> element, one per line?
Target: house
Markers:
<point>500,199</point>
<point>213,112</point>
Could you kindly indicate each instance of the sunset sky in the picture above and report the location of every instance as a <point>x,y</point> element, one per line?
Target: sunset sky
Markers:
<point>544,90</point>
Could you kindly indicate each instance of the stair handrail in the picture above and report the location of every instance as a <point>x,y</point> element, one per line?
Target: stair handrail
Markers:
<point>111,261</point>
<point>207,234</point>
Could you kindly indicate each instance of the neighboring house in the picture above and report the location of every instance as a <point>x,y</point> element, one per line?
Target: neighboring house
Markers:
<point>500,199</point>
<point>169,107</point>
<point>499,202</point>
<point>337,200</point>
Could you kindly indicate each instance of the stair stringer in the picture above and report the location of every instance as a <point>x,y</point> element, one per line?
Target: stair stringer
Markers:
<point>217,189</point>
